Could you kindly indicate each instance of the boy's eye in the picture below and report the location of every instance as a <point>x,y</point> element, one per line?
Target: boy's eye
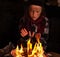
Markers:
<point>37,11</point>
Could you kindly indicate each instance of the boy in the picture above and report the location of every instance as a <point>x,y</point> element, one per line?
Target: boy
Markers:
<point>34,22</point>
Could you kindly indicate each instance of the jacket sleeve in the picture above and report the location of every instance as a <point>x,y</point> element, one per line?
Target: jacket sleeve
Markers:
<point>22,25</point>
<point>46,29</point>
<point>45,35</point>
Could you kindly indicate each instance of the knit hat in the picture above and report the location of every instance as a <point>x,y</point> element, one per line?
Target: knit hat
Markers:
<point>35,2</point>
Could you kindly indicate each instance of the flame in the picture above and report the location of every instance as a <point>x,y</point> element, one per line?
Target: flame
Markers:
<point>29,46</point>
<point>19,51</point>
<point>37,51</point>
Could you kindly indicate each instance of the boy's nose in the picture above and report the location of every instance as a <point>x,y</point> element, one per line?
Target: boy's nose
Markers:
<point>34,14</point>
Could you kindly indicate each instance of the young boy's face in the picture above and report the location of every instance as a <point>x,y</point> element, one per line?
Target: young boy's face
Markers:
<point>35,11</point>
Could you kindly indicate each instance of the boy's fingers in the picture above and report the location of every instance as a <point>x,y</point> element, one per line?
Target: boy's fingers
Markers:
<point>33,34</point>
<point>29,33</point>
<point>25,30</point>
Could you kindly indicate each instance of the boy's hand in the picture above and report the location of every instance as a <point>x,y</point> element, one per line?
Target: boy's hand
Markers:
<point>24,32</point>
<point>31,34</point>
<point>37,36</point>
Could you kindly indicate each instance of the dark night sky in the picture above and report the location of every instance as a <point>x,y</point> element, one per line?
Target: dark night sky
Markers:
<point>10,11</point>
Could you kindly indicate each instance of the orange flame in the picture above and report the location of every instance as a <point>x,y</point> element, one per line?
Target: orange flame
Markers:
<point>29,46</point>
<point>37,51</point>
<point>19,51</point>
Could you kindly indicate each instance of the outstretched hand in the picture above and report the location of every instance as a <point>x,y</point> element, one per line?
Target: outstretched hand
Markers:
<point>38,36</point>
<point>31,34</point>
<point>24,32</point>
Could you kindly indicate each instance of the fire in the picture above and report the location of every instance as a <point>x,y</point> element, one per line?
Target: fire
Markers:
<point>37,50</point>
<point>19,52</point>
<point>29,46</point>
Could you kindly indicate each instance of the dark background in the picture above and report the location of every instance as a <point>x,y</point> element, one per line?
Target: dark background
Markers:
<point>10,11</point>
